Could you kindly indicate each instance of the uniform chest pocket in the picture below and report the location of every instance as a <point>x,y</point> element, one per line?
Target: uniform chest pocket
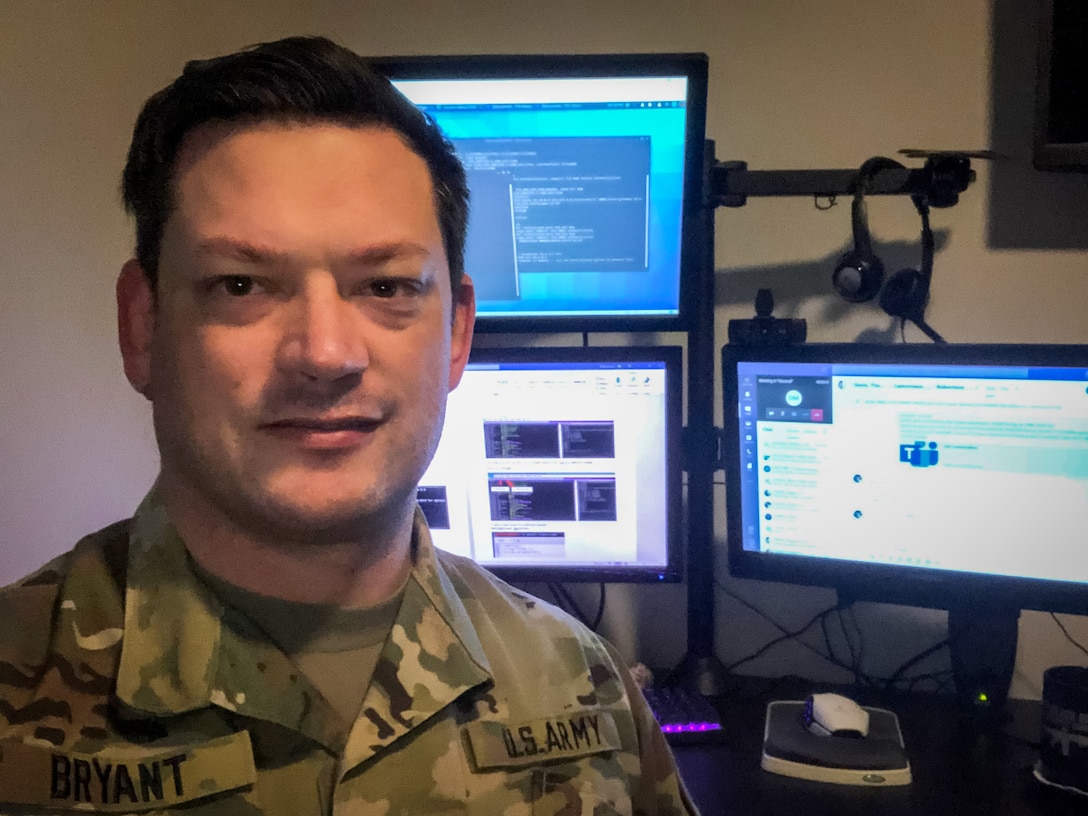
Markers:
<point>124,779</point>
<point>582,789</point>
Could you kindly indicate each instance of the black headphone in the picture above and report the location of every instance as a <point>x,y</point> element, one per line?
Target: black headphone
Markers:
<point>906,293</point>
<point>859,273</point>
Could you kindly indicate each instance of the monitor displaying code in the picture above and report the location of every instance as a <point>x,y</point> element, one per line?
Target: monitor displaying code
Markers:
<point>577,187</point>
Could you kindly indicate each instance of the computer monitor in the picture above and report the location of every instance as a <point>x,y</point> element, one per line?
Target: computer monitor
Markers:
<point>953,477</point>
<point>585,174</point>
<point>562,464</point>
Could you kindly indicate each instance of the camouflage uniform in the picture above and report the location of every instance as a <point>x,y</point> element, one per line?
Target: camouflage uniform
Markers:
<point>120,691</point>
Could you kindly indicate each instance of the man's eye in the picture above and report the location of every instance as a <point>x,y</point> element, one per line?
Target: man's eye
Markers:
<point>389,288</point>
<point>236,285</point>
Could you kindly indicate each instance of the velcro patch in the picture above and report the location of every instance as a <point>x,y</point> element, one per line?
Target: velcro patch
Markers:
<point>574,734</point>
<point>124,779</point>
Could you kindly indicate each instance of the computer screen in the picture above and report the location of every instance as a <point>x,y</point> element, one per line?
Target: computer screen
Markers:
<point>560,464</point>
<point>943,476</point>
<point>585,175</point>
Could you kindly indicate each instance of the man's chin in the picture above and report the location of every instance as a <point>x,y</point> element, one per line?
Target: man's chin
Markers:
<point>327,522</point>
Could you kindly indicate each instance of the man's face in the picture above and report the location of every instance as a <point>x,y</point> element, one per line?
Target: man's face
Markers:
<point>302,344</point>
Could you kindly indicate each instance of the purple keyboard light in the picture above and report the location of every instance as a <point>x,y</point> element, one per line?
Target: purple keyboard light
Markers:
<point>682,712</point>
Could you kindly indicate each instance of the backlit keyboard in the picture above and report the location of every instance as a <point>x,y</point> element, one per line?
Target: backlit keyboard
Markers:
<point>684,716</point>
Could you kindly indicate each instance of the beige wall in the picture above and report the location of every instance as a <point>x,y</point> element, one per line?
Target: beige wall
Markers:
<point>793,84</point>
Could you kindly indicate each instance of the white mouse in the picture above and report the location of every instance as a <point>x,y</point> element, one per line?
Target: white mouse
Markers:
<point>832,715</point>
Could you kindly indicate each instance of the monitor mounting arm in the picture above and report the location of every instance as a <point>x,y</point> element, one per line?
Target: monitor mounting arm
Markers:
<point>941,179</point>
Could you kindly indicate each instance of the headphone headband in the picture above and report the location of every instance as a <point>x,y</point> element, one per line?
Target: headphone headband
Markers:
<point>859,274</point>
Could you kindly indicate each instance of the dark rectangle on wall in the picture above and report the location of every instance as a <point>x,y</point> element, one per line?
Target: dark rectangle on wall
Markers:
<point>1028,208</point>
<point>1061,111</point>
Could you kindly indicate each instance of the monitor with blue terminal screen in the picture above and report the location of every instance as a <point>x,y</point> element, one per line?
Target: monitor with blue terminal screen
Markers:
<point>953,477</point>
<point>561,464</point>
<point>585,173</point>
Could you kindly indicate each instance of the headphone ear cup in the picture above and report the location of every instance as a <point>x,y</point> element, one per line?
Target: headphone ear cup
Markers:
<point>858,276</point>
<point>905,294</point>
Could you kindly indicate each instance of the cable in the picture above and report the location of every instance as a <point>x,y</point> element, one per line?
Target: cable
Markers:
<point>854,666</point>
<point>1065,632</point>
<point>600,609</point>
<point>564,600</point>
<point>855,654</point>
<point>569,602</point>
<point>897,675</point>
<point>744,602</point>
<point>940,677</point>
<point>572,604</point>
<point>787,634</point>
<point>827,640</point>
<point>928,249</point>
<point>782,638</point>
<point>861,636</point>
<point>555,596</point>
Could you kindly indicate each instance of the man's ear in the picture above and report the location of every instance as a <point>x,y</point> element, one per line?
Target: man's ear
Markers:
<point>464,321</point>
<point>136,324</point>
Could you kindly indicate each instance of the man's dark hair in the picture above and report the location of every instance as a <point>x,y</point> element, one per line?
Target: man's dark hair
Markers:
<point>297,79</point>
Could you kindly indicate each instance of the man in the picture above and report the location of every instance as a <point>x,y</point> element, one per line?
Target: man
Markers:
<point>273,631</point>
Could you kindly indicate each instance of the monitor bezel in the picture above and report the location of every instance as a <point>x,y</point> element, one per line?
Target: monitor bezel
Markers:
<point>672,357</point>
<point>694,66</point>
<point>911,586</point>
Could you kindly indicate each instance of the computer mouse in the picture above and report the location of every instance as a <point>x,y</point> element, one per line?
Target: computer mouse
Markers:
<point>832,715</point>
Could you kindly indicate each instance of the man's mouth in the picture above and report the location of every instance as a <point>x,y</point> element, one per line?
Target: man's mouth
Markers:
<point>319,424</point>
<point>321,433</point>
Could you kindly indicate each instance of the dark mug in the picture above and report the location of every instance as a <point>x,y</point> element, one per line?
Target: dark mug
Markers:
<point>1063,743</point>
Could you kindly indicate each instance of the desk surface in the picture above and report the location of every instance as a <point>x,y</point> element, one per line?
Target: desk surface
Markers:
<point>957,768</point>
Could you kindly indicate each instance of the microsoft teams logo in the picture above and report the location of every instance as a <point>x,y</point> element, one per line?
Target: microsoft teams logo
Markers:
<point>919,454</point>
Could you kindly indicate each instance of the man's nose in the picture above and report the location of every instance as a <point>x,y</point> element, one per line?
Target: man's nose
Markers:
<point>323,339</point>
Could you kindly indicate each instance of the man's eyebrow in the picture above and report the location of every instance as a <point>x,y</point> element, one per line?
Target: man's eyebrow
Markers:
<point>381,253</point>
<point>235,249</point>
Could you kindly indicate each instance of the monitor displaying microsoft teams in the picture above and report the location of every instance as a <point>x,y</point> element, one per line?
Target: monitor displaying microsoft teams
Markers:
<point>580,169</point>
<point>561,464</point>
<point>943,460</point>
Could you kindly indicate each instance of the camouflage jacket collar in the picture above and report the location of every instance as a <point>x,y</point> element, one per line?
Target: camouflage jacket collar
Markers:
<point>177,657</point>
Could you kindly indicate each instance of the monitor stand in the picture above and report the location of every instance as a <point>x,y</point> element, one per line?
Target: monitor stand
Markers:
<point>982,648</point>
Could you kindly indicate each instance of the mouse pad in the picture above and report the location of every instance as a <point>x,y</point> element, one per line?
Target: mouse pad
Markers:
<point>790,748</point>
